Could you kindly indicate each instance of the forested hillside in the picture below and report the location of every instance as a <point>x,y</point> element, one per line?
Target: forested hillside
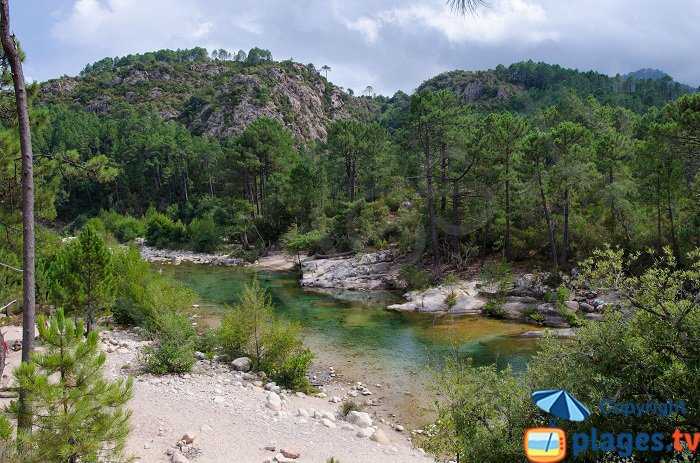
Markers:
<point>251,153</point>
<point>528,86</point>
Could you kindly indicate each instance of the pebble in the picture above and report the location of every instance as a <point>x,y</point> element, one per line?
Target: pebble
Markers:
<point>206,428</point>
<point>271,446</point>
<point>290,453</point>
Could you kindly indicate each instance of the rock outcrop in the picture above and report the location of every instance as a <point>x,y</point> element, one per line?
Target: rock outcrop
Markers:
<point>466,300</point>
<point>369,271</point>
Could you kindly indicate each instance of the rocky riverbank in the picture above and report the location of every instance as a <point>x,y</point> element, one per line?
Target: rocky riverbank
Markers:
<point>176,257</point>
<point>218,415</point>
<point>371,271</point>
<point>462,298</point>
<point>524,302</point>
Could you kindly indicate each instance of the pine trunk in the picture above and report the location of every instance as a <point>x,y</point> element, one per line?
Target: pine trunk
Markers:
<point>9,45</point>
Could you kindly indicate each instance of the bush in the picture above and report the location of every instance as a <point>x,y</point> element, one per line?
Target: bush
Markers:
<point>251,329</point>
<point>531,314</point>
<point>205,235</point>
<point>173,348</point>
<point>162,232</point>
<point>349,405</point>
<point>207,342</point>
<point>414,277</point>
<point>493,310</point>
<point>144,297</point>
<point>124,228</point>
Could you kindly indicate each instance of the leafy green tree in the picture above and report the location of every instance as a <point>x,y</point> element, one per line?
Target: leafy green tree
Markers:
<point>574,169</point>
<point>83,276</point>
<point>505,133</point>
<point>432,117</point>
<point>78,415</point>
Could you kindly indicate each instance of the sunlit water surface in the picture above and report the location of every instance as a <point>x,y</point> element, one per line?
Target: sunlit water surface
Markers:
<point>355,333</point>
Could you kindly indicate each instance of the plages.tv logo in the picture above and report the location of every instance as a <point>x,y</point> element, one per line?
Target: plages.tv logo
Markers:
<point>548,445</point>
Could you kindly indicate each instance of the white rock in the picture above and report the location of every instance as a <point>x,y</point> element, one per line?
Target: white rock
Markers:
<point>399,428</point>
<point>303,413</point>
<point>242,364</point>
<point>178,458</point>
<point>328,423</point>
<point>365,432</point>
<point>274,402</point>
<point>219,400</point>
<point>380,437</point>
<point>206,428</point>
<point>359,419</point>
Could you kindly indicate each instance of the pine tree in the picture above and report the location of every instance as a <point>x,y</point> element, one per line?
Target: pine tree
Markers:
<point>83,276</point>
<point>78,415</point>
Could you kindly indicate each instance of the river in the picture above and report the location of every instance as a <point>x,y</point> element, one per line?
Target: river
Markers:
<point>354,333</point>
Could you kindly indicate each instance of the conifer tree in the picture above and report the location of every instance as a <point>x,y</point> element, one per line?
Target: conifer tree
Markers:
<point>78,416</point>
<point>83,276</point>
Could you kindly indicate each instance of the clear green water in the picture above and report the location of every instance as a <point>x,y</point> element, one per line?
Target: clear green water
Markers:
<point>354,333</point>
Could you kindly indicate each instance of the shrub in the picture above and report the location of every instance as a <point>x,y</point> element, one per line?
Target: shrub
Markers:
<point>207,342</point>
<point>144,296</point>
<point>493,310</point>
<point>251,329</point>
<point>349,405</point>
<point>531,314</point>
<point>414,277</point>
<point>124,228</point>
<point>451,298</point>
<point>173,348</point>
<point>568,315</point>
<point>205,235</point>
<point>162,232</point>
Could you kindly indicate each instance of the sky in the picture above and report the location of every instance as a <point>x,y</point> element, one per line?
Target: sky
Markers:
<point>387,44</point>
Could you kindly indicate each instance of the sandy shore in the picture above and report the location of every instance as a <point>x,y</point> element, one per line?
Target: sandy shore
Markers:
<point>228,412</point>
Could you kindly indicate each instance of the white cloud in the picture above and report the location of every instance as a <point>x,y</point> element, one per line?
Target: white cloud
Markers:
<point>505,21</point>
<point>368,27</point>
<point>127,26</point>
<point>248,24</point>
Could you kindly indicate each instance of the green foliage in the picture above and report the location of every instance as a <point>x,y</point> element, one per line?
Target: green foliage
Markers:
<point>347,406</point>
<point>414,277</point>
<point>251,329</point>
<point>144,297</point>
<point>208,342</point>
<point>295,242</point>
<point>162,232</point>
<point>493,309</point>
<point>124,228</point>
<point>531,314</point>
<point>173,348</point>
<point>205,235</point>
<point>83,275</point>
<point>482,408</point>
<point>659,331</point>
<point>498,276</point>
<point>78,415</point>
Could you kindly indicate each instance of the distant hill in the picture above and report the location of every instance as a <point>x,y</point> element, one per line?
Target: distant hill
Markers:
<point>656,74</point>
<point>527,86</point>
<point>219,97</point>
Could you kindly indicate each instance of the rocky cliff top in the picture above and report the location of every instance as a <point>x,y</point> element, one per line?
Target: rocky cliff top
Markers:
<point>219,98</point>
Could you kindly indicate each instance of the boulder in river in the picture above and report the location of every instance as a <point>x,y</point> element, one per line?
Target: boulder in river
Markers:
<point>466,301</point>
<point>369,271</point>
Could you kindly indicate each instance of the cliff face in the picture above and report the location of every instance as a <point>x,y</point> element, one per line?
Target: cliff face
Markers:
<point>218,98</point>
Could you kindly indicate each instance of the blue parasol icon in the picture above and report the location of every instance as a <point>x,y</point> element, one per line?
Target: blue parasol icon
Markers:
<point>561,404</point>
